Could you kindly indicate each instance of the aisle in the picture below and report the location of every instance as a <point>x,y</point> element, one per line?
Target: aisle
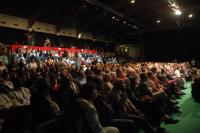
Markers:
<point>190,116</point>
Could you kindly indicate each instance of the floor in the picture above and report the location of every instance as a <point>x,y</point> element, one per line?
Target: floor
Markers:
<point>190,116</point>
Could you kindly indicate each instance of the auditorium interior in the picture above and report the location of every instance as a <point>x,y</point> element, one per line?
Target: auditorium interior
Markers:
<point>99,66</point>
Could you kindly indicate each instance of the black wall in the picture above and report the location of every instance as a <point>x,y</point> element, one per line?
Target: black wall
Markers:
<point>179,44</point>
<point>10,36</point>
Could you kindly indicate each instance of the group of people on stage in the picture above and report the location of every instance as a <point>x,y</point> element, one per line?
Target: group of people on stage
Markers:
<point>31,39</point>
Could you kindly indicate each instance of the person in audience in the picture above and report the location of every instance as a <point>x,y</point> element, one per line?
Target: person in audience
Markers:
<point>81,78</point>
<point>108,86</point>
<point>6,81</point>
<point>3,66</point>
<point>32,64</point>
<point>178,78</point>
<point>21,58</point>
<point>89,92</point>
<point>42,106</point>
<point>13,64</point>
<point>196,89</point>
<point>68,91</point>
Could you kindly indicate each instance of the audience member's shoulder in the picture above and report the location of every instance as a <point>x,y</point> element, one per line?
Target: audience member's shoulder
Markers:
<point>82,102</point>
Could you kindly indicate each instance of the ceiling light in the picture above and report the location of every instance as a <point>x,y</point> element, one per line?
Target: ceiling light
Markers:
<point>175,7</point>
<point>79,35</point>
<point>113,17</point>
<point>124,22</point>
<point>190,15</point>
<point>178,12</point>
<point>158,21</point>
<point>132,1</point>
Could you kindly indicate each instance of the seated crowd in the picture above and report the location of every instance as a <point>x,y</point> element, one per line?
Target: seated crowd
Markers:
<point>89,98</point>
<point>72,56</point>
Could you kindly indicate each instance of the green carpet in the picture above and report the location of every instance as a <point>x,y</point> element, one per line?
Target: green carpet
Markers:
<point>189,117</point>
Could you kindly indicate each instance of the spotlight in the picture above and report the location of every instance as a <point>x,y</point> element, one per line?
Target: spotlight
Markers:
<point>132,1</point>
<point>190,15</point>
<point>178,12</point>
<point>124,22</point>
<point>79,35</point>
<point>113,17</point>
<point>158,21</point>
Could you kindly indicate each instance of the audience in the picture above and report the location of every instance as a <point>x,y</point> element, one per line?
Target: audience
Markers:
<point>99,97</point>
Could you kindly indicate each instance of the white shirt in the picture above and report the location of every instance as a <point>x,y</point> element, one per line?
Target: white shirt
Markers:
<point>177,74</point>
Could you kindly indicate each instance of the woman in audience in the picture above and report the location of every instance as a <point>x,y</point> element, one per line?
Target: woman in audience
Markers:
<point>107,84</point>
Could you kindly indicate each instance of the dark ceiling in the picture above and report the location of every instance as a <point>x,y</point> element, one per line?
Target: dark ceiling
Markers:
<point>111,18</point>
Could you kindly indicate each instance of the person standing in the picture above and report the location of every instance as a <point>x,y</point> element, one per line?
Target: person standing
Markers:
<point>47,42</point>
